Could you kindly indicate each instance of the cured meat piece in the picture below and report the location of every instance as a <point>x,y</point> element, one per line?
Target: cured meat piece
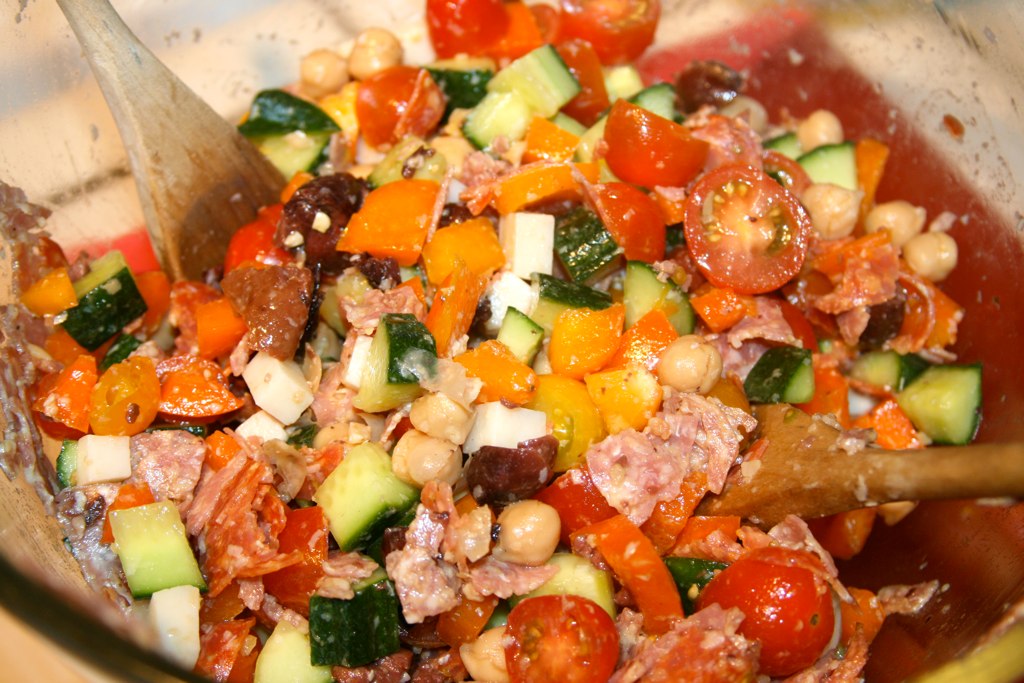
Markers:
<point>717,442</point>
<point>769,324</point>
<point>731,140</point>
<point>170,461</point>
<point>634,472</point>
<point>220,645</point>
<point>365,315</point>
<point>391,669</point>
<point>865,281</point>
<point>341,570</point>
<point>274,302</point>
<point>505,579</point>
<point>907,599</point>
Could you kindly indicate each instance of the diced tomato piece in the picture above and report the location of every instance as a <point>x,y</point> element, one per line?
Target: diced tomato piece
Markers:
<point>578,501</point>
<point>620,30</point>
<point>649,150</point>
<point>305,531</point>
<point>633,219</point>
<point>469,26</point>
<point>585,65</point>
<point>398,101</point>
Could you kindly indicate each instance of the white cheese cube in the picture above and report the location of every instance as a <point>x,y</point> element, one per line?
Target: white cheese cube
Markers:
<point>507,289</point>
<point>496,425</point>
<point>263,426</point>
<point>360,355</point>
<point>174,614</point>
<point>103,458</point>
<point>278,387</point>
<point>528,240</point>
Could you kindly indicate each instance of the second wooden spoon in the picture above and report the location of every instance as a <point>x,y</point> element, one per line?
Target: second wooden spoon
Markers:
<point>804,472</point>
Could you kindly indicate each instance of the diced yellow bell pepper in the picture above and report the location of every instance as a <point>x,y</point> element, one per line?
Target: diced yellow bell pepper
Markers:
<point>626,398</point>
<point>51,294</point>
<point>576,421</point>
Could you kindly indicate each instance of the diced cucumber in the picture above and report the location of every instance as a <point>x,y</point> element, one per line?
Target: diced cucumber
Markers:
<point>584,246</point>
<point>119,350</point>
<point>67,463</point>
<point>787,143</point>
<point>375,548</point>
<point>622,82</point>
<point>499,113</point>
<point>644,292</point>
<point>835,164</point>
<point>888,369</point>
<point>568,123</point>
<point>463,81</point>
<point>555,295</point>
<point>295,151</point>
<point>108,299</point>
<point>154,549</point>
<point>589,140</point>
<point>402,353</point>
<point>499,617</point>
<point>521,335</point>
<point>577,576</point>
<point>286,658</point>
<point>290,131</point>
<point>362,496</point>
<point>945,402</point>
<point>691,575</point>
<point>659,99</point>
<point>541,78</point>
<point>302,436</point>
<point>410,158</point>
<point>357,631</point>
<point>782,374</point>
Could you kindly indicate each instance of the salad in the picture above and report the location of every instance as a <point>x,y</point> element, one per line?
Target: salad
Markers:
<point>448,410</point>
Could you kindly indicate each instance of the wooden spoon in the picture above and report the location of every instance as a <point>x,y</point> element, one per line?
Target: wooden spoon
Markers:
<point>804,472</point>
<point>197,177</point>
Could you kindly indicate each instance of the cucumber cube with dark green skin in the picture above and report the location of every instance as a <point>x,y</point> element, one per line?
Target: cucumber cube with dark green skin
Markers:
<point>782,374</point>
<point>541,78</point>
<point>119,350</point>
<point>691,575</point>
<point>275,117</point>
<point>584,246</point>
<point>644,292</point>
<point>835,164</point>
<point>411,158</point>
<point>463,82</point>
<point>555,295</point>
<point>787,144</point>
<point>659,99</point>
<point>499,113</point>
<point>945,402</point>
<point>108,299</point>
<point>154,550</point>
<point>521,335</point>
<point>357,631</point>
<point>402,353</point>
<point>67,463</point>
<point>888,369</point>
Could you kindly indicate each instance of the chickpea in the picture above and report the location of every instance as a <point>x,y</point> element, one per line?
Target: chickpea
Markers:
<point>442,418</point>
<point>454,149</point>
<point>931,254</point>
<point>833,209</point>
<point>375,50</point>
<point>484,658</point>
<point>322,72</point>
<point>529,532</point>
<point>820,128</point>
<point>690,363</point>
<point>332,433</point>
<point>418,459</point>
<point>902,219</point>
<point>754,111</point>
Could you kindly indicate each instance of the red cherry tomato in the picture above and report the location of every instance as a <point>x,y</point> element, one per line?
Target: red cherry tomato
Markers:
<point>396,102</point>
<point>565,638</point>
<point>787,171</point>
<point>649,150</point>
<point>745,231</point>
<point>254,242</point>
<point>633,219</point>
<point>786,603</point>
<point>578,501</point>
<point>548,20</point>
<point>620,30</point>
<point>585,65</point>
<point>469,26</point>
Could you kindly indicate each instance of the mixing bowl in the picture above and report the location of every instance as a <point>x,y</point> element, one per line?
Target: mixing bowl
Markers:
<point>941,82</point>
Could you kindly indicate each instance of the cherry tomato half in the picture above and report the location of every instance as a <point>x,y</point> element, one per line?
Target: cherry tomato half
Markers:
<point>585,65</point>
<point>787,606</point>
<point>565,638</point>
<point>649,150</point>
<point>396,102</point>
<point>620,30</point>
<point>788,172</point>
<point>633,219</point>
<point>745,231</point>
<point>254,242</point>
<point>124,401</point>
<point>469,26</point>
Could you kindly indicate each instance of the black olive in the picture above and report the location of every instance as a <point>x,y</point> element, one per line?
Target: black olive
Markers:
<point>706,82</point>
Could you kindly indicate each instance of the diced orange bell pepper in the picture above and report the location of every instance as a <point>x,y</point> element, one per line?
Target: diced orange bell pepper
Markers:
<point>194,389</point>
<point>546,141</point>
<point>627,398</point>
<point>831,394</point>
<point>416,285</point>
<point>128,496</point>
<point>521,36</point>
<point>464,622</point>
<point>298,180</point>
<point>474,242</point>
<point>893,429</point>
<point>948,315</point>
<point>394,221</point>
<point>454,306</point>
<point>844,534</point>
<point>669,517</point>
<point>63,347</point>
<point>729,390</point>
<point>832,262</point>
<point>870,156</point>
<point>534,184</point>
<point>51,294</point>
<point>218,328</point>
<point>865,611</point>
<point>721,308</point>
<point>699,527</point>
<point>155,288</point>
<point>220,450</point>
<point>505,377</point>
<point>643,343</point>
<point>584,340</point>
<point>305,531</point>
<point>65,398</point>
<point>638,566</point>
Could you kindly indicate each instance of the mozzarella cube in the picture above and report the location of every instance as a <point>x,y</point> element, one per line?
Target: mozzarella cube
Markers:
<point>507,289</point>
<point>528,240</point>
<point>496,425</point>
<point>357,362</point>
<point>263,426</point>
<point>103,459</point>
<point>174,614</point>
<point>278,387</point>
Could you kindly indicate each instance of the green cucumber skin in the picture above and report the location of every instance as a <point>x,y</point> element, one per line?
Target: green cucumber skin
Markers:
<point>102,313</point>
<point>642,292</point>
<point>659,99</point>
<point>691,575</point>
<point>67,463</point>
<point>154,549</point>
<point>119,351</point>
<point>782,374</point>
<point>584,246</point>
<point>408,335</point>
<point>888,369</point>
<point>276,112</point>
<point>835,164</point>
<point>571,294</point>
<point>945,403</point>
<point>786,144</point>
<point>521,335</point>
<point>462,88</point>
<point>357,631</point>
<point>499,113</point>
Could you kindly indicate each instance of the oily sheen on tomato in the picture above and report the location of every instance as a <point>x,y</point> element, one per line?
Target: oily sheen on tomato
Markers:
<point>465,26</point>
<point>786,603</point>
<point>585,65</point>
<point>744,230</point>
<point>620,30</point>
<point>633,219</point>
<point>565,638</point>
<point>396,102</point>
<point>649,150</point>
